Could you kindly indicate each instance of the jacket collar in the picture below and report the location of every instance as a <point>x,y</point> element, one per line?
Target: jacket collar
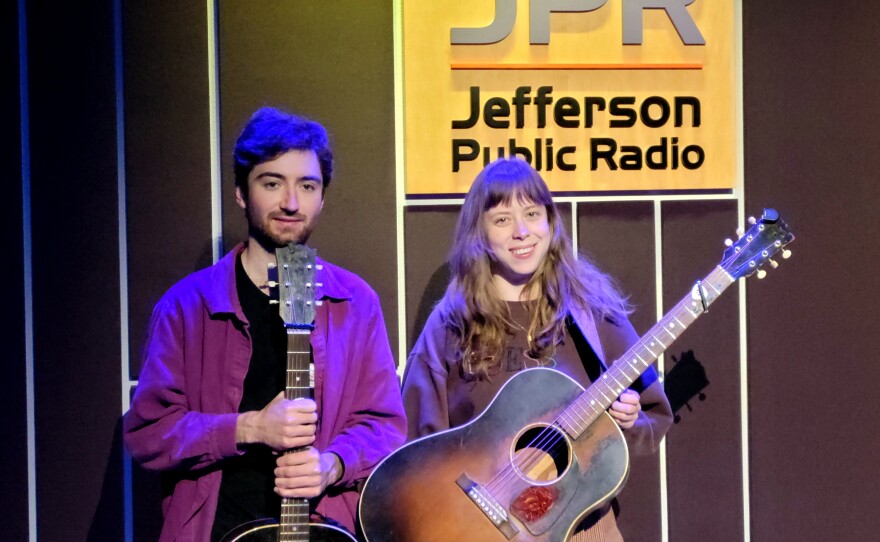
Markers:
<point>219,291</point>
<point>587,324</point>
<point>221,295</point>
<point>332,283</point>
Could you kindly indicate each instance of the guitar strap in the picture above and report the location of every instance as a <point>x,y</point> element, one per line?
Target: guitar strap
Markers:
<point>592,364</point>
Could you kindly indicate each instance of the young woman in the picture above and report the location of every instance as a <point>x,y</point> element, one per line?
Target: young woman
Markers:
<point>520,298</point>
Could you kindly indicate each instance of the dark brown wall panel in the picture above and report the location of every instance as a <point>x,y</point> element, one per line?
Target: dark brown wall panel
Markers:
<point>167,178</point>
<point>812,134</point>
<point>13,401</point>
<point>428,232</point>
<point>75,270</point>
<point>167,153</point>
<point>619,239</point>
<point>704,466</point>
<point>333,62</point>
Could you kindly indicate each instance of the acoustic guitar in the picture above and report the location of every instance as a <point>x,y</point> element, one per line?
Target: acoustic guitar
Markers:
<point>292,286</point>
<point>544,453</point>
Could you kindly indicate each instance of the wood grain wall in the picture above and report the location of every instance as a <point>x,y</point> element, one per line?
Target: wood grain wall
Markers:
<point>812,129</point>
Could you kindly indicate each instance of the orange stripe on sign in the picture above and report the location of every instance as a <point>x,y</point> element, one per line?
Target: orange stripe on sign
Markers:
<point>465,66</point>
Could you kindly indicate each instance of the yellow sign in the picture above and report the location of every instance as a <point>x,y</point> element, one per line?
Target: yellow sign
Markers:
<point>599,95</point>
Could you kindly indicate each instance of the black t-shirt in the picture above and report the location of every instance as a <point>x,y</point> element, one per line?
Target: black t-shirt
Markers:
<point>246,488</point>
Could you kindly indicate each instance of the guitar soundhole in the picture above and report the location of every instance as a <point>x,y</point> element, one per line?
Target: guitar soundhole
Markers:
<point>541,454</point>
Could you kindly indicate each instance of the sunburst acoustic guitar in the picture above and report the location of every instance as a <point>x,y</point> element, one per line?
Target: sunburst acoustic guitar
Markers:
<point>544,453</point>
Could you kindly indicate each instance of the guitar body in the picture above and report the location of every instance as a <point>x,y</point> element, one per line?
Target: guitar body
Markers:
<point>268,530</point>
<point>419,493</point>
<point>544,453</point>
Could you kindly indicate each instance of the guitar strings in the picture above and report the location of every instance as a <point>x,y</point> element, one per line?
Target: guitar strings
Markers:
<point>541,446</point>
<point>530,456</point>
<point>294,511</point>
<point>533,453</point>
<point>548,438</point>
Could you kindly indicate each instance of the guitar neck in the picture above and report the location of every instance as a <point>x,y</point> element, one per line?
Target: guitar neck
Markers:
<point>294,521</point>
<point>621,374</point>
<point>298,383</point>
<point>292,283</point>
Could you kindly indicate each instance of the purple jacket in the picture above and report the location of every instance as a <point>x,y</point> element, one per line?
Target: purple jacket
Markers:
<point>183,414</point>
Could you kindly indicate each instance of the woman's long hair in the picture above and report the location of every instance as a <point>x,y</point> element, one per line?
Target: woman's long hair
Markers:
<point>472,307</point>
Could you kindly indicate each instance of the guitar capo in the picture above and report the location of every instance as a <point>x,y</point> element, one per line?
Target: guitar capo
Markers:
<point>699,286</point>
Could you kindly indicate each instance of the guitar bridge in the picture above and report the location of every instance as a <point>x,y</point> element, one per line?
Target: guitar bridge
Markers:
<point>487,503</point>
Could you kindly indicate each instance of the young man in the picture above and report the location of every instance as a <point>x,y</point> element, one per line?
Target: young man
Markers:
<point>209,411</point>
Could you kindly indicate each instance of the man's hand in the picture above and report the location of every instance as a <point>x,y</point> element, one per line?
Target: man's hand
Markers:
<point>626,409</point>
<point>281,425</point>
<point>306,473</point>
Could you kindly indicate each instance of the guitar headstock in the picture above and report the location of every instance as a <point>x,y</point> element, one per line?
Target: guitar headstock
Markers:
<point>767,237</point>
<point>292,284</point>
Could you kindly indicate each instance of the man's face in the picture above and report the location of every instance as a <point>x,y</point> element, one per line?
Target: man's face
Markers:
<point>284,200</point>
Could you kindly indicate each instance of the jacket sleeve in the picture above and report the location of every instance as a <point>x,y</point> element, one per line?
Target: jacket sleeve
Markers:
<point>376,422</point>
<point>655,418</point>
<point>160,430</point>
<point>424,382</point>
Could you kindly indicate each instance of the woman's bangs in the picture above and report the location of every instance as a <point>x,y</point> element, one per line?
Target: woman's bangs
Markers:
<point>516,180</point>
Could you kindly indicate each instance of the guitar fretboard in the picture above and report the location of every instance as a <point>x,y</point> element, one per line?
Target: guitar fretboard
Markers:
<point>294,521</point>
<point>299,358</point>
<point>596,399</point>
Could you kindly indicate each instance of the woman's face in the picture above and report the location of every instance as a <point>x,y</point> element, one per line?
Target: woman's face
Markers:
<point>519,236</point>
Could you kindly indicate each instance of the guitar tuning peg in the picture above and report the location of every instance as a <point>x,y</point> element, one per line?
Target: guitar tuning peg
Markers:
<point>319,285</point>
<point>319,267</point>
<point>272,284</point>
<point>740,232</point>
<point>773,264</point>
<point>273,301</point>
<point>786,254</point>
<point>752,220</point>
<point>761,273</point>
<point>272,265</point>
<point>728,242</point>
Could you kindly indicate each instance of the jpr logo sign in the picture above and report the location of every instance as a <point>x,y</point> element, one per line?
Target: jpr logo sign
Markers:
<point>539,20</point>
